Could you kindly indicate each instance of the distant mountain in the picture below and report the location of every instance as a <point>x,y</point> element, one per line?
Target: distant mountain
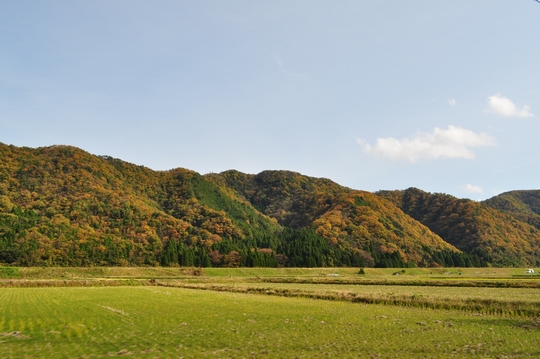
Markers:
<point>501,237</point>
<point>60,205</point>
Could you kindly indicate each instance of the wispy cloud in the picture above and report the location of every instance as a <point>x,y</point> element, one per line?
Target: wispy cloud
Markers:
<point>454,142</point>
<point>469,188</point>
<point>281,64</point>
<point>505,107</point>
<point>452,102</point>
<point>278,60</point>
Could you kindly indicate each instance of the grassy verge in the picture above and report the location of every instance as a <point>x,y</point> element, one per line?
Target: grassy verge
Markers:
<point>173,272</point>
<point>97,272</point>
<point>72,283</point>
<point>462,282</point>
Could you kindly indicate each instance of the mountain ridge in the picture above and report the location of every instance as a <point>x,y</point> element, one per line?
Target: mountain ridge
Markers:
<point>475,227</point>
<point>60,205</point>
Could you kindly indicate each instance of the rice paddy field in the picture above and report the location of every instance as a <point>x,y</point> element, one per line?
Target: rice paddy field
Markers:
<point>183,313</point>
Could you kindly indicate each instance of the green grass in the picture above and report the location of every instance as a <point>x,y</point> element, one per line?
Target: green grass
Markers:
<point>150,322</point>
<point>506,294</point>
<point>345,273</point>
<point>97,272</point>
<point>481,304</point>
<point>10,272</point>
<point>103,311</point>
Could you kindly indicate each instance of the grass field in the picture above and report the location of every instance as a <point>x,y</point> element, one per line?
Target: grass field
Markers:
<point>170,322</point>
<point>150,321</point>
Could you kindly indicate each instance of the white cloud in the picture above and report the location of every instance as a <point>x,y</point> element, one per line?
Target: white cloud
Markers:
<point>452,102</point>
<point>469,188</point>
<point>505,107</point>
<point>454,142</point>
<point>278,60</point>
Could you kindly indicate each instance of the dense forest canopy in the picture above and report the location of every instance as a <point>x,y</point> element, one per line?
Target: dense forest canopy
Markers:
<point>61,206</point>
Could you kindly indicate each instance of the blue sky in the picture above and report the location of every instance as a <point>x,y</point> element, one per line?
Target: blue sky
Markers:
<point>439,95</point>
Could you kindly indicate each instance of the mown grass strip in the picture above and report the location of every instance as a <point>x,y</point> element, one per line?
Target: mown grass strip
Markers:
<point>405,282</point>
<point>474,305</point>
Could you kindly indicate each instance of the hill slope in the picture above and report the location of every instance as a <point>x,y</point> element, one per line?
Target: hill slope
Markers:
<point>522,205</point>
<point>355,220</point>
<point>60,205</point>
<point>498,237</point>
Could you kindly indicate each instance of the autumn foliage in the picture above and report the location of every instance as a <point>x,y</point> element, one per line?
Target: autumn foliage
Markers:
<point>61,206</point>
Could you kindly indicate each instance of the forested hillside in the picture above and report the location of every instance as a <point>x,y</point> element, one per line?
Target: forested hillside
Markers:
<point>497,237</point>
<point>61,206</point>
<point>523,205</point>
<point>357,221</point>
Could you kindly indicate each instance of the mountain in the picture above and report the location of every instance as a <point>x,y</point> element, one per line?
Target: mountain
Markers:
<point>522,205</point>
<point>351,219</point>
<point>493,230</point>
<point>62,206</point>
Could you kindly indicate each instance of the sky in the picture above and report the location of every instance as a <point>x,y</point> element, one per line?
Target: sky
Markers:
<point>374,95</point>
